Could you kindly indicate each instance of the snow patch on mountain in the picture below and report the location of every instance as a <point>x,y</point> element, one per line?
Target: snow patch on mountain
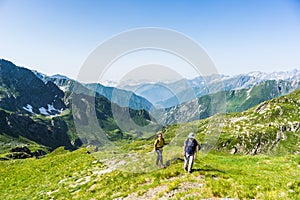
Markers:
<point>248,93</point>
<point>51,111</point>
<point>28,108</point>
<point>43,111</point>
<point>58,76</point>
<point>291,75</point>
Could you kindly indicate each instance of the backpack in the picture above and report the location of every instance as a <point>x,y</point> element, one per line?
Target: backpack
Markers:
<point>190,146</point>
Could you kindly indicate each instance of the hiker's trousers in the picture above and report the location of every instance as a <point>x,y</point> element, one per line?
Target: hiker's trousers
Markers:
<point>188,162</point>
<point>159,156</point>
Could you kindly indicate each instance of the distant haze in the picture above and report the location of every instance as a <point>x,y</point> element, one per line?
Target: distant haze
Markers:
<point>152,73</point>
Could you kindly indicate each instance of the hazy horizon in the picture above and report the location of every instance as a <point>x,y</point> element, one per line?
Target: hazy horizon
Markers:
<point>138,79</point>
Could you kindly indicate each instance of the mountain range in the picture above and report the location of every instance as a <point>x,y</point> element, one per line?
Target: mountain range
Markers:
<point>264,141</point>
<point>224,102</point>
<point>22,92</point>
<point>45,112</point>
<point>88,144</point>
<point>270,127</point>
<point>121,97</point>
<point>37,113</point>
<point>166,95</point>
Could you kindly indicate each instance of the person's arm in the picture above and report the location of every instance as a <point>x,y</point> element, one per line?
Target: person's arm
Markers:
<point>165,143</point>
<point>155,144</point>
<point>197,149</point>
<point>184,146</point>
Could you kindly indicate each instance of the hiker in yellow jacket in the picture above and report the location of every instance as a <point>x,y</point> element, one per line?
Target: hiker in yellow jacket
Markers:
<point>158,148</point>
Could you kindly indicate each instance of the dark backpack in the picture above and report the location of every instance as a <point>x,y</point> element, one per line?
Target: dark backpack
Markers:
<point>190,146</point>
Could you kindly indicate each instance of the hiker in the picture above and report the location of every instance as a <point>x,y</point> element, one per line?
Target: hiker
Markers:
<point>158,148</point>
<point>190,149</point>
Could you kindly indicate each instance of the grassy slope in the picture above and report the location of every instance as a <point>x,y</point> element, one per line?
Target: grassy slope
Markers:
<point>33,178</point>
<point>272,124</point>
<point>77,175</point>
<point>264,123</point>
<point>6,143</point>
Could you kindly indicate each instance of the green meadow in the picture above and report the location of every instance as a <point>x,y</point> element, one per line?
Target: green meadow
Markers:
<point>81,175</point>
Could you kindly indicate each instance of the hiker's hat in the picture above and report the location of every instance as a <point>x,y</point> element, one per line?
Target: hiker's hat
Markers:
<point>191,135</point>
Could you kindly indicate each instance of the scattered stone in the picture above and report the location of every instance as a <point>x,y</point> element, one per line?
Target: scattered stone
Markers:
<point>38,153</point>
<point>18,155</point>
<point>233,151</point>
<point>24,152</point>
<point>23,149</point>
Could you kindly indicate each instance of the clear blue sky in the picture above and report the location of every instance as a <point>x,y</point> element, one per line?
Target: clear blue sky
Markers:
<point>56,36</point>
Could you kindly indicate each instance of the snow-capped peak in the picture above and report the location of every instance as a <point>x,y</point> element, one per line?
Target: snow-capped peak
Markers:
<point>281,75</point>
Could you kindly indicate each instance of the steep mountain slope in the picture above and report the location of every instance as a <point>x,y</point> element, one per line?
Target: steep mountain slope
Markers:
<point>21,91</point>
<point>233,101</point>
<point>64,83</point>
<point>37,113</point>
<point>19,130</point>
<point>115,122</point>
<point>113,119</point>
<point>270,127</point>
<point>123,98</point>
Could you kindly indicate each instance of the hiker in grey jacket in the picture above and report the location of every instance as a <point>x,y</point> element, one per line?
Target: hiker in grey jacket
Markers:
<point>190,149</point>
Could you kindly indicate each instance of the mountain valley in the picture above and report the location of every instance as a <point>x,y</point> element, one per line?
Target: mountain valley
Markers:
<point>61,139</point>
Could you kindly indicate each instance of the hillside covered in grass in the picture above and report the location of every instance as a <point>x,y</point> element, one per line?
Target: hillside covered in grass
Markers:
<point>37,114</point>
<point>228,101</point>
<point>271,127</point>
<point>77,175</point>
<point>251,155</point>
